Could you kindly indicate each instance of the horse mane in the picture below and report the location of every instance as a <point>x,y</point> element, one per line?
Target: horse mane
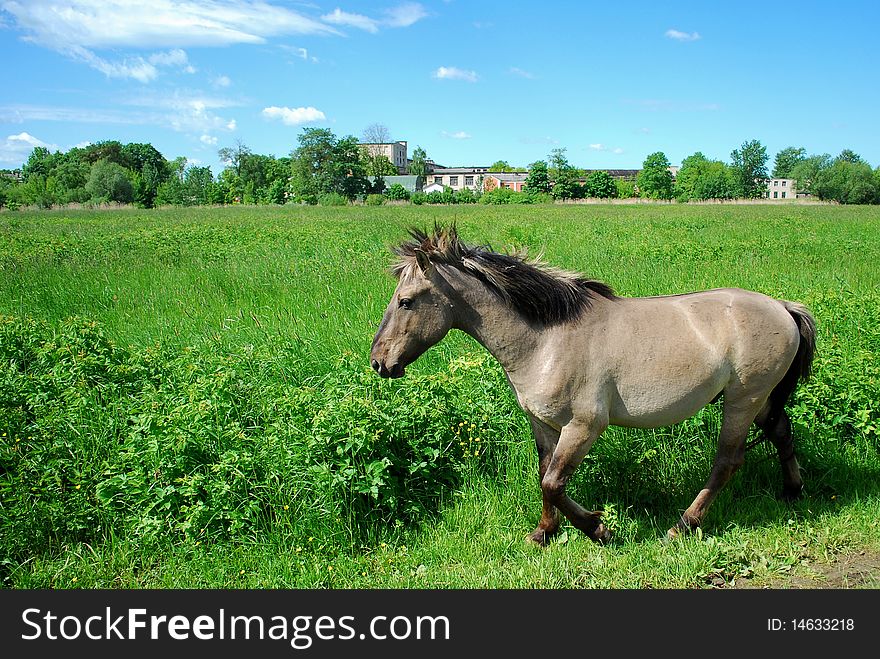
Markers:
<point>538,291</point>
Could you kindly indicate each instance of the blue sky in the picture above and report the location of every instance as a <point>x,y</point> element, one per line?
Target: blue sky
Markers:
<point>470,82</point>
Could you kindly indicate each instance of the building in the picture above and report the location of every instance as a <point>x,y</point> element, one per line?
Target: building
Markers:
<point>781,188</point>
<point>458,178</point>
<point>394,151</point>
<point>410,183</point>
<point>512,180</point>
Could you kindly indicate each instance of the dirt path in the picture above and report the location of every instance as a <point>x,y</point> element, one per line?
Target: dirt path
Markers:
<point>858,570</point>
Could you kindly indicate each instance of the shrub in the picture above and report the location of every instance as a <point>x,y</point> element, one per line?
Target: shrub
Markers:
<point>332,199</point>
<point>419,198</point>
<point>374,200</point>
<point>505,196</point>
<point>397,192</point>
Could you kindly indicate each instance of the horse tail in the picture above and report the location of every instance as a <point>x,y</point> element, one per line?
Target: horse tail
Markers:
<point>802,364</point>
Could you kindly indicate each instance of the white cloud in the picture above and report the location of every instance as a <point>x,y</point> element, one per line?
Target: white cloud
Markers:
<point>187,112</point>
<point>601,147</point>
<point>98,24</point>
<point>453,73</point>
<point>294,116</point>
<point>458,135</point>
<point>522,74</point>
<point>361,22</point>
<point>222,81</point>
<point>682,36</point>
<point>208,140</point>
<point>405,15</point>
<point>16,148</point>
<point>136,68</point>
<point>176,57</point>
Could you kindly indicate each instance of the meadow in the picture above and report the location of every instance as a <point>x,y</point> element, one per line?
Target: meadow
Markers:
<point>186,401</point>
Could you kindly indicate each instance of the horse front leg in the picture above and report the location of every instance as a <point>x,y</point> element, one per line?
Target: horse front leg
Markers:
<point>574,443</point>
<point>546,439</point>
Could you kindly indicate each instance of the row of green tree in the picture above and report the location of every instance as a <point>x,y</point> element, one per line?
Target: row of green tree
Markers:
<point>325,167</point>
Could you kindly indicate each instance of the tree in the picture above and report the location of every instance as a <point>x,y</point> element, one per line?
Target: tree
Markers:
<point>109,181</point>
<point>538,180</point>
<point>786,160</point>
<point>419,164</point>
<point>500,166</point>
<point>848,182</point>
<point>749,165</point>
<point>377,134</point>
<point>565,185</point>
<point>234,156</point>
<point>807,171</point>
<point>655,180</point>
<point>701,178</point>
<point>323,164</point>
<point>600,184</point>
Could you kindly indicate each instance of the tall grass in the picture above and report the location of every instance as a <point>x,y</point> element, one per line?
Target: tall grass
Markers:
<point>185,400</point>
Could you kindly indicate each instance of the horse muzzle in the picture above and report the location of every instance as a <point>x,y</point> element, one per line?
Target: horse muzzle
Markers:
<point>396,370</point>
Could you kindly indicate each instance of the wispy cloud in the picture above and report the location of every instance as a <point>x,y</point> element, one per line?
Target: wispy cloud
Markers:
<point>405,15</point>
<point>359,21</point>
<point>16,148</point>
<point>294,116</point>
<point>99,24</point>
<point>208,140</point>
<point>453,73</point>
<point>222,82</point>
<point>601,147</point>
<point>458,135</point>
<point>521,73</point>
<point>538,140</point>
<point>678,35</point>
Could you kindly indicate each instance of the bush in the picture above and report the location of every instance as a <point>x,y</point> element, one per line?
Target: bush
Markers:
<point>167,445</point>
<point>505,196</point>
<point>332,199</point>
<point>397,192</point>
<point>419,198</point>
<point>374,200</point>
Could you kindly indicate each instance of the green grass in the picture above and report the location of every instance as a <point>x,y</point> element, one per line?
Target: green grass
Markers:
<point>185,401</point>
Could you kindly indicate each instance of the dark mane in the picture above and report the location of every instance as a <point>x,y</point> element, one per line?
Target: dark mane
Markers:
<point>539,292</point>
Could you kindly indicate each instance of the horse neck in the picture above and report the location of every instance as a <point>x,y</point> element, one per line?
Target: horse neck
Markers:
<point>499,328</point>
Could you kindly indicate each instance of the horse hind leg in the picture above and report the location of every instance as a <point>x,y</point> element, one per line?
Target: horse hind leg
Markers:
<point>730,455</point>
<point>776,425</point>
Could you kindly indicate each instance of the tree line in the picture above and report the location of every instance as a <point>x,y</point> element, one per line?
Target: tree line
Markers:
<point>326,169</point>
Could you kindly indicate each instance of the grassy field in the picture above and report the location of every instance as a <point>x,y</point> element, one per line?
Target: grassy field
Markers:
<point>186,401</point>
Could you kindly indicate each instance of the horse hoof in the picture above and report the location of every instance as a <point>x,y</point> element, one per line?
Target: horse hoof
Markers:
<point>794,493</point>
<point>537,538</point>
<point>601,535</point>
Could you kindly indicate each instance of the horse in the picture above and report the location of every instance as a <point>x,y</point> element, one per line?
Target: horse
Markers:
<point>580,358</point>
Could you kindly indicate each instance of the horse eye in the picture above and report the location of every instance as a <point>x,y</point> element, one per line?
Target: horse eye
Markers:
<point>406,303</point>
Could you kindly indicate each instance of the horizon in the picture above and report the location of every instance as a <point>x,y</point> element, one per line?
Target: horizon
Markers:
<point>469,85</point>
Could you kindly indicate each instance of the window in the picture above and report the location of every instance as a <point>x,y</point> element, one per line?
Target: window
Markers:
<point>775,183</point>
<point>784,183</point>
<point>468,180</point>
<point>453,180</point>
<point>438,180</point>
<point>775,194</point>
<point>783,194</point>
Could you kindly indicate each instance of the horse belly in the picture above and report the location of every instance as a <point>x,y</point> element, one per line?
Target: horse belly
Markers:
<point>650,403</point>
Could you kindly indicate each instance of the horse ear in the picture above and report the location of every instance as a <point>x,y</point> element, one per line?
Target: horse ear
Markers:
<point>424,262</point>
